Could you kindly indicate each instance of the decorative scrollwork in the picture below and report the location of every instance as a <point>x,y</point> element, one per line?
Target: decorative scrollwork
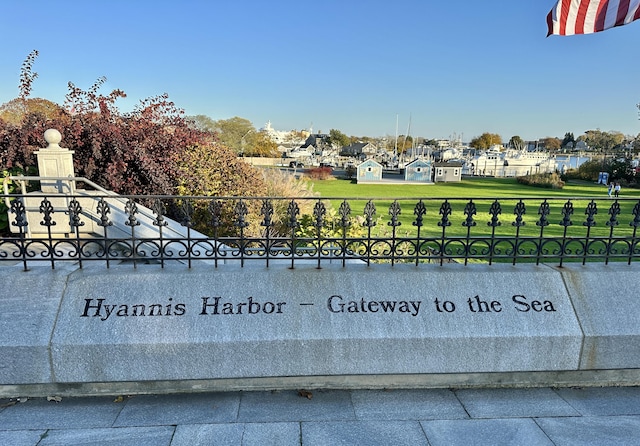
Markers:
<point>567,212</point>
<point>187,213</point>
<point>591,211</point>
<point>494,211</point>
<point>319,212</point>
<point>267,213</point>
<point>519,211</point>
<point>420,245</point>
<point>17,208</point>
<point>394,212</point>
<point>369,214</point>
<point>345,214</point>
<point>419,211</point>
<point>159,210</point>
<point>46,209</point>
<point>293,210</point>
<point>241,211</point>
<point>445,211</point>
<point>543,211</point>
<point>131,209</point>
<point>75,210</point>
<point>215,209</point>
<point>469,210</point>
<point>636,216</point>
<point>614,211</point>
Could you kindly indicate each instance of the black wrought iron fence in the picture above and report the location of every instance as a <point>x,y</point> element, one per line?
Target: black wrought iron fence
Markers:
<point>215,230</point>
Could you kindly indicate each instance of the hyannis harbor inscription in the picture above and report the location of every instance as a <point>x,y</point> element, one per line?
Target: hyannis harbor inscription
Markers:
<point>104,309</point>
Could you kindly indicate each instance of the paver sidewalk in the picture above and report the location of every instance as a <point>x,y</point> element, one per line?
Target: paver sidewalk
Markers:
<point>543,416</point>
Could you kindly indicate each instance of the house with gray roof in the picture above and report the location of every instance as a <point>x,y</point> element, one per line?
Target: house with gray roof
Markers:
<point>359,149</point>
<point>447,172</point>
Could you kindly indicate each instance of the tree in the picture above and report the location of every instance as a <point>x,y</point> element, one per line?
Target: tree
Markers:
<point>589,170</point>
<point>569,140</point>
<point>152,150</point>
<point>141,152</point>
<point>238,134</point>
<point>14,111</point>
<point>405,142</point>
<point>259,144</point>
<point>551,143</point>
<point>603,141</point>
<point>233,132</point>
<point>27,76</point>
<point>635,144</point>
<point>622,169</point>
<point>618,169</point>
<point>338,139</point>
<point>202,122</point>
<point>18,142</point>
<point>485,141</point>
<point>517,143</point>
<point>215,170</point>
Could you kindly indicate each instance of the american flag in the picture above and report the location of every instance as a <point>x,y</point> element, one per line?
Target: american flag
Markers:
<point>590,16</point>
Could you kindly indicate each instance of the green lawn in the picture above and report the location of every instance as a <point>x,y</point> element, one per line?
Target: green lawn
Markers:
<point>483,191</point>
<point>472,188</point>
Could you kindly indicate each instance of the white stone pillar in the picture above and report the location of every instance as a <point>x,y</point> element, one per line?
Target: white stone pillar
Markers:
<point>55,161</point>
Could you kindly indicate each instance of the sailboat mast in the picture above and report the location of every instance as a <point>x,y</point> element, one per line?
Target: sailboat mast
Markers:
<point>404,146</point>
<point>395,147</point>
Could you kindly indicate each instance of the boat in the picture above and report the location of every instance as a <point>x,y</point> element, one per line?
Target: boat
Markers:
<point>512,163</point>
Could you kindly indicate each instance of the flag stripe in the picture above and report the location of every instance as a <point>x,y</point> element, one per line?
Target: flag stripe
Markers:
<point>564,13</point>
<point>590,22</point>
<point>623,10</point>
<point>590,16</point>
<point>601,16</point>
<point>550,23</point>
<point>582,15</point>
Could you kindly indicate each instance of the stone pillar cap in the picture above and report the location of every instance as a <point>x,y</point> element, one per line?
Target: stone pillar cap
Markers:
<point>53,138</point>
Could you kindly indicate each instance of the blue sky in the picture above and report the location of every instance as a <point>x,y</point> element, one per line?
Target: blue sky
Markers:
<point>463,67</point>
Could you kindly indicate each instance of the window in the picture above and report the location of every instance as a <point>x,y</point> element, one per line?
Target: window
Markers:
<point>439,171</point>
<point>455,172</point>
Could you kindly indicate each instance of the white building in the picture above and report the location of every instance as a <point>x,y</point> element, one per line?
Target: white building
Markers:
<point>279,136</point>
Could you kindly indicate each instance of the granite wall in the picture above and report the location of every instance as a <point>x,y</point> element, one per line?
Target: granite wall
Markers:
<point>126,330</point>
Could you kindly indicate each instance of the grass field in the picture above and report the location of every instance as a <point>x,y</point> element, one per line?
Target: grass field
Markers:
<point>483,191</point>
<point>471,188</point>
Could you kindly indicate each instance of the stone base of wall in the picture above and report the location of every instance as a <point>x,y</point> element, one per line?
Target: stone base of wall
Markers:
<point>76,331</point>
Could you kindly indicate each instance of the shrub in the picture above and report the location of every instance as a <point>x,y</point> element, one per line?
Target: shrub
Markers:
<point>588,170</point>
<point>350,171</point>
<point>142,152</point>
<point>153,150</point>
<point>14,188</point>
<point>283,184</point>
<point>320,173</point>
<point>546,180</point>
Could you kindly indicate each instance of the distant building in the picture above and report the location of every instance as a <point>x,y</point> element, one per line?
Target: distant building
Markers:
<point>581,145</point>
<point>369,171</point>
<point>320,141</point>
<point>281,137</point>
<point>447,172</point>
<point>360,148</point>
<point>418,170</point>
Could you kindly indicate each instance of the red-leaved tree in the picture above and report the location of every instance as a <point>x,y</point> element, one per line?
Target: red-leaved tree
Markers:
<point>152,150</point>
<point>141,152</point>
